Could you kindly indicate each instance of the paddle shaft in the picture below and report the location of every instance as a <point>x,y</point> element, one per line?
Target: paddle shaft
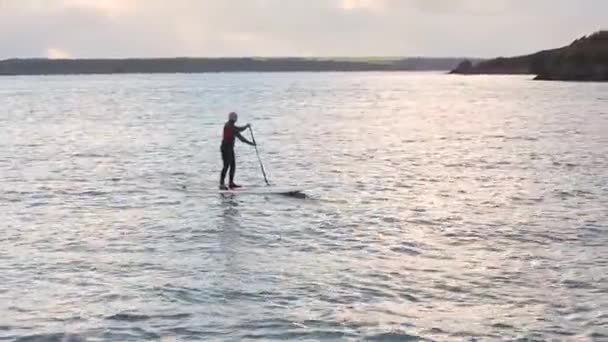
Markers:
<point>258,154</point>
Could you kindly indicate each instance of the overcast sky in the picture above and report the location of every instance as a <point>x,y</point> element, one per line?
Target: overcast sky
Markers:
<point>215,28</point>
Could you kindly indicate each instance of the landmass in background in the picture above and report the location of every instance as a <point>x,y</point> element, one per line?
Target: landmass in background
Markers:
<point>586,59</point>
<point>200,65</point>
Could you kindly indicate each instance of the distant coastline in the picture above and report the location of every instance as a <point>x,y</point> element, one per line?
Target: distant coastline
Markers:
<point>15,67</point>
<point>586,59</point>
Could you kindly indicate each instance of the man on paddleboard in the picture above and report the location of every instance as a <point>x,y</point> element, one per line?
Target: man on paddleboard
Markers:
<point>231,130</point>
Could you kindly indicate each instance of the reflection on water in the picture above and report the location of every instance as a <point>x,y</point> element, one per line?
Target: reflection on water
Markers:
<point>438,208</point>
<point>229,229</point>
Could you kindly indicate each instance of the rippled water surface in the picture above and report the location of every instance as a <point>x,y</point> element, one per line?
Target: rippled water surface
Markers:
<point>438,208</point>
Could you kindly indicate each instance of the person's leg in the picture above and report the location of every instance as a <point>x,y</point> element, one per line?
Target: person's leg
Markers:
<point>226,162</point>
<point>232,169</point>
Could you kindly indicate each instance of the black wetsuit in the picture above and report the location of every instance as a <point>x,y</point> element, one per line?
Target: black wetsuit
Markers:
<point>231,131</point>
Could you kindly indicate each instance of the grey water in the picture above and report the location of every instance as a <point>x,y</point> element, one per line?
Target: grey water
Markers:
<point>437,208</point>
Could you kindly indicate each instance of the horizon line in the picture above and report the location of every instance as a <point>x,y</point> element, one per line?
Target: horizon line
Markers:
<point>343,58</point>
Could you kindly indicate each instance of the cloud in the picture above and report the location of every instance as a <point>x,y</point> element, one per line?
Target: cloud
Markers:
<point>159,28</point>
<point>373,5</point>
<point>471,7</point>
<point>107,6</point>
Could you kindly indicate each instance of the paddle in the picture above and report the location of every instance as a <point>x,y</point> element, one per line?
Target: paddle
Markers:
<point>258,154</point>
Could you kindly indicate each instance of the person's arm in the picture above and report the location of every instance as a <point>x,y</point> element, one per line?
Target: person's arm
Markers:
<point>240,129</point>
<point>243,139</point>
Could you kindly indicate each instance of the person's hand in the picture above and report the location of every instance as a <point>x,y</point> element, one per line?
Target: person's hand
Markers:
<point>254,144</point>
<point>248,126</point>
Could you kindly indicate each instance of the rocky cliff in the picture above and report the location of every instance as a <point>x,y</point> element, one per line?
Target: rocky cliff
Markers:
<point>586,59</point>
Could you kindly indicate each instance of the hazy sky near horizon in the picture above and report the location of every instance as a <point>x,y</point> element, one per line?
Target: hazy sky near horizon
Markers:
<point>216,28</point>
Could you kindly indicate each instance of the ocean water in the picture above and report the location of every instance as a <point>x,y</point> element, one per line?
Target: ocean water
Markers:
<point>437,208</point>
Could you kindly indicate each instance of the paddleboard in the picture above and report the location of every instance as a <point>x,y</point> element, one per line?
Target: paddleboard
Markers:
<point>264,190</point>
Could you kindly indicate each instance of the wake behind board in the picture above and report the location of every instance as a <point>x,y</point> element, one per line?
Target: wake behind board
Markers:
<point>264,190</point>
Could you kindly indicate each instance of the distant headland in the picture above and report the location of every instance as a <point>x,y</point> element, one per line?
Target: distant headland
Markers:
<point>202,65</point>
<point>586,59</point>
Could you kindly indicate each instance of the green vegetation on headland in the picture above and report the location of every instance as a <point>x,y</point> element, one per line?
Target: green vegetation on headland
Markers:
<point>586,59</point>
<point>201,65</point>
